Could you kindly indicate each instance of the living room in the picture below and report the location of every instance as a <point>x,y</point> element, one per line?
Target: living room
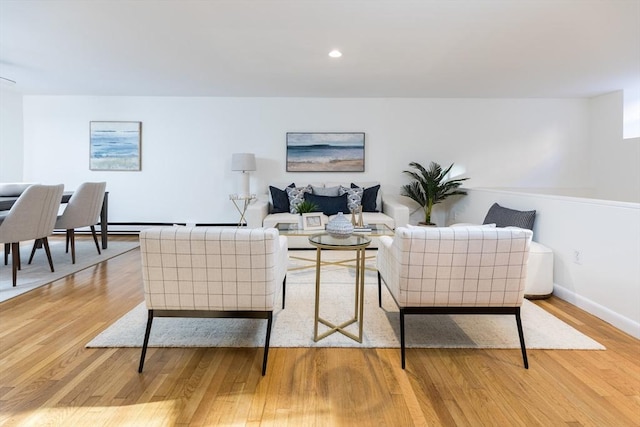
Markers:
<point>558,149</point>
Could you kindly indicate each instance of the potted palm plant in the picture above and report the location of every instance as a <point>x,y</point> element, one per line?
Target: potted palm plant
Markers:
<point>430,187</point>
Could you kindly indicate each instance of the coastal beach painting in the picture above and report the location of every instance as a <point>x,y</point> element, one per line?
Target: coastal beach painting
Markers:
<point>114,146</point>
<point>325,151</point>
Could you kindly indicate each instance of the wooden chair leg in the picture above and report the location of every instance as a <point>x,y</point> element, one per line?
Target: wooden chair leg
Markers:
<point>45,243</point>
<point>266,344</point>
<point>95,238</point>
<point>146,340</point>
<point>36,244</point>
<point>71,237</point>
<point>521,334</point>
<point>15,261</point>
<point>7,249</point>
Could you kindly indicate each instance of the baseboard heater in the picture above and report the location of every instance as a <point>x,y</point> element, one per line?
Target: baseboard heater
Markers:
<point>135,227</point>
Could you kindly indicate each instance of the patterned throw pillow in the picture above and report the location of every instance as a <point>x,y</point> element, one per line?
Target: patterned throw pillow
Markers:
<point>354,197</point>
<point>296,196</point>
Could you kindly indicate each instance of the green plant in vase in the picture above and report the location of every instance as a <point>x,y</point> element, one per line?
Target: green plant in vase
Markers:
<point>430,187</point>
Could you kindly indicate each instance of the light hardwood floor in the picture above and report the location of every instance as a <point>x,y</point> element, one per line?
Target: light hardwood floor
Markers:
<point>48,377</point>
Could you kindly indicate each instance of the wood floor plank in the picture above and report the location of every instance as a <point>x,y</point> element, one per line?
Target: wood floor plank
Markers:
<point>48,377</point>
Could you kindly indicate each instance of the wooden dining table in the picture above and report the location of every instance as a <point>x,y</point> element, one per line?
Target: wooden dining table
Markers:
<point>7,202</point>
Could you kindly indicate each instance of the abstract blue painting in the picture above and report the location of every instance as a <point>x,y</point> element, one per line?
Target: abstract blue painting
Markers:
<point>115,146</point>
<point>325,152</point>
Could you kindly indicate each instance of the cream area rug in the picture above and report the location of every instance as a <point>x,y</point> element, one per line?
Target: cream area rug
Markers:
<point>37,274</point>
<point>293,326</point>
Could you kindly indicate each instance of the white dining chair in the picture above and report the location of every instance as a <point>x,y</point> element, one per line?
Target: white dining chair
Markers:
<point>31,217</point>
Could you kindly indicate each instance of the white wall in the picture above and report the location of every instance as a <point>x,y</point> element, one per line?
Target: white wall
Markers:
<point>11,148</point>
<point>595,243</point>
<point>188,142</point>
<point>615,162</point>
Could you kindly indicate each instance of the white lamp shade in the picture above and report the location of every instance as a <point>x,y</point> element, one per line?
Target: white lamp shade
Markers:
<point>243,162</point>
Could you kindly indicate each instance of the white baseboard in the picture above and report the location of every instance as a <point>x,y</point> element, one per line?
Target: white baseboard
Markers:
<point>623,323</point>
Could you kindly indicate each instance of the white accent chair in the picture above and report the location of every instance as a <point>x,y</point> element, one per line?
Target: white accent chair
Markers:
<point>212,272</point>
<point>83,210</point>
<point>464,270</point>
<point>32,216</point>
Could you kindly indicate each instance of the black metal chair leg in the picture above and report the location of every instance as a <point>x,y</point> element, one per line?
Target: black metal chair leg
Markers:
<point>521,334</point>
<point>266,344</point>
<point>379,290</point>
<point>284,290</point>
<point>146,340</point>
<point>402,350</point>
<point>95,238</point>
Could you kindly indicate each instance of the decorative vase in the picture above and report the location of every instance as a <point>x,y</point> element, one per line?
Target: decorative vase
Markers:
<point>340,226</point>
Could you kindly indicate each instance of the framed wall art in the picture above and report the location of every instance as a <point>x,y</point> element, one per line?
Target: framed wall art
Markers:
<point>325,151</point>
<point>115,146</point>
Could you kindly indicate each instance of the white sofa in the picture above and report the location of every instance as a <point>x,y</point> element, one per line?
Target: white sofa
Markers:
<point>391,211</point>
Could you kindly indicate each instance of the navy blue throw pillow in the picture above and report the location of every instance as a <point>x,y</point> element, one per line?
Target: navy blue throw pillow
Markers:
<point>280,199</point>
<point>328,205</point>
<point>369,198</point>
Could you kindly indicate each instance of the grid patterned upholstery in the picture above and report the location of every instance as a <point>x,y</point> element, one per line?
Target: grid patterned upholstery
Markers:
<point>457,270</point>
<point>214,269</point>
<point>455,267</point>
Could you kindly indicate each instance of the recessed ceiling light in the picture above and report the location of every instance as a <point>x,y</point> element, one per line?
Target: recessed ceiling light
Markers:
<point>335,54</point>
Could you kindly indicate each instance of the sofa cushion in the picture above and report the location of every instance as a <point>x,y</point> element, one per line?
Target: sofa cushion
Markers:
<point>354,197</point>
<point>296,196</point>
<point>328,205</point>
<point>505,217</point>
<point>326,191</point>
<point>369,198</point>
<point>279,199</point>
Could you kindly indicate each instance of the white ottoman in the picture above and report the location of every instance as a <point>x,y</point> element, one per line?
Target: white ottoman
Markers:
<point>539,283</point>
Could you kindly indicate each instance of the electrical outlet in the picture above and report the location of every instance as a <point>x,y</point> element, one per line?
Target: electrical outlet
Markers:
<point>577,257</point>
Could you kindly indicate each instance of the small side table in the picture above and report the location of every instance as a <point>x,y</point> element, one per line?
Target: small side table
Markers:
<point>355,242</point>
<point>241,202</point>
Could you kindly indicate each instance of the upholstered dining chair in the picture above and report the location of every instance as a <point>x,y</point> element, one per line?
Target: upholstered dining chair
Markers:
<point>31,217</point>
<point>82,210</point>
<point>462,270</point>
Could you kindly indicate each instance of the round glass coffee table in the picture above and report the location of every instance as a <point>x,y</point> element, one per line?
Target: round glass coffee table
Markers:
<point>354,242</point>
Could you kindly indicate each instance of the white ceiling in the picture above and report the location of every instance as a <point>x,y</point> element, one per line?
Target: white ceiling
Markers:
<point>399,48</point>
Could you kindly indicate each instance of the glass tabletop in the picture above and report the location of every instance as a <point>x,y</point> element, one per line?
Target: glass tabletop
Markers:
<point>290,229</point>
<point>355,241</point>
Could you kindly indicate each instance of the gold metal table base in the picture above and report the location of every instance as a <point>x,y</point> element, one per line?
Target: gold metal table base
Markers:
<point>359,298</point>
